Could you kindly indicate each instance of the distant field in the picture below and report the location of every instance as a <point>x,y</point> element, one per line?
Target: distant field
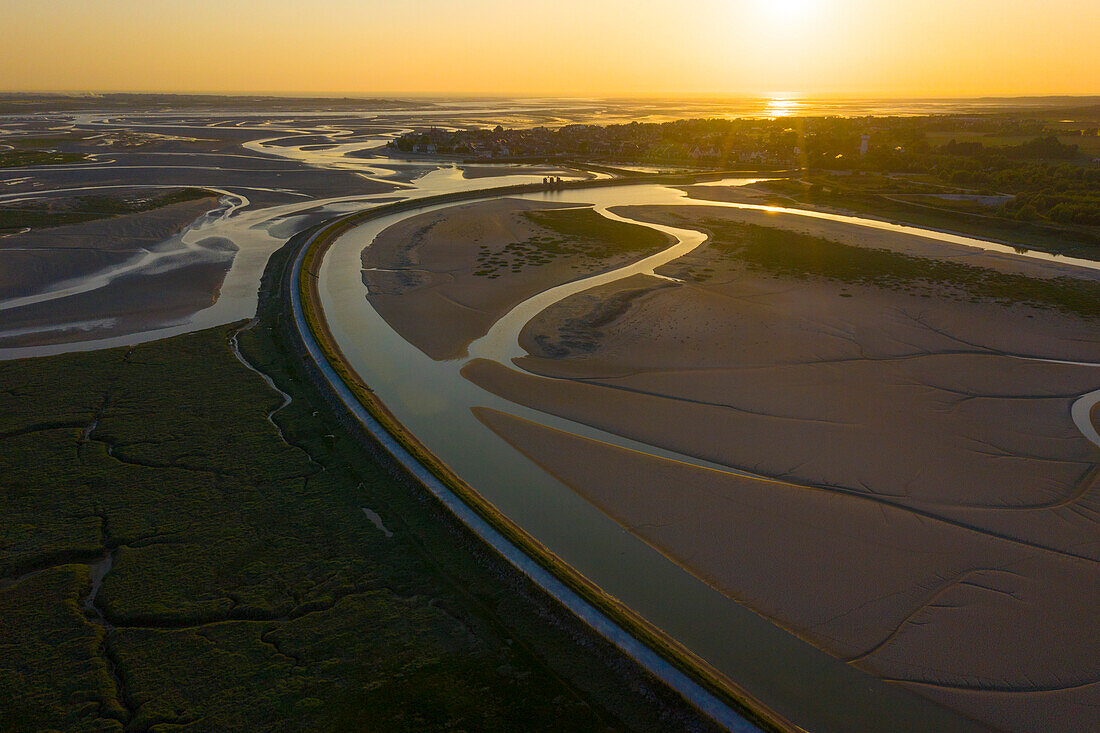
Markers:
<point>1088,144</point>
<point>852,194</point>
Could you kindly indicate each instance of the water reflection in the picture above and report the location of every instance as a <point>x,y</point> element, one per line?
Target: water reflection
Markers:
<point>783,106</point>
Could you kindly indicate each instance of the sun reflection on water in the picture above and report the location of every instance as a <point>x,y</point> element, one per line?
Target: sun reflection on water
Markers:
<point>783,106</point>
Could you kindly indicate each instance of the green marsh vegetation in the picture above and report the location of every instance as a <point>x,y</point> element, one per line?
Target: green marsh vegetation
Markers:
<point>27,152</point>
<point>33,158</point>
<point>790,254</point>
<point>41,214</point>
<point>247,589</point>
<point>905,200</point>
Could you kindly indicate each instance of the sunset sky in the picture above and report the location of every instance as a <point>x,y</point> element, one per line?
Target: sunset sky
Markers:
<point>566,47</point>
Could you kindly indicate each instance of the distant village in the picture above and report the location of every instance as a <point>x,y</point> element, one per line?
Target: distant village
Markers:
<point>828,142</point>
<point>636,143</point>
<point>1045,165</point>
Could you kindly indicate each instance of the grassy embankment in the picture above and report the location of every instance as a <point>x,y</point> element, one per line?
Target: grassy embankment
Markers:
<point>884,197</point>
<point>653,637</point>
<point>802,256</point>
<point>579,233</point>
<point>42,214</point>
<point>248,589</point>
<point>33,158</point>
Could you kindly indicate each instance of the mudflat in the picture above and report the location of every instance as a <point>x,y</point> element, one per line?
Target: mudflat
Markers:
<point>130,304</point>
<point>34,260</point>
<point>894,474</point>
<point>59,259</point>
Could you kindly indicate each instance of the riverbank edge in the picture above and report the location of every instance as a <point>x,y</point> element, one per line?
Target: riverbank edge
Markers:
<point>977,226</point>
<point>307,264</point>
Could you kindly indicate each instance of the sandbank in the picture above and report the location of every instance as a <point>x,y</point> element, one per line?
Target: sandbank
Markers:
<point>920,501</point>
<point>989,627</point>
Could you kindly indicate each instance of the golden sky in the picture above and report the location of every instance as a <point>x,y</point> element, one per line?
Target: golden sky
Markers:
<point>554,47</point>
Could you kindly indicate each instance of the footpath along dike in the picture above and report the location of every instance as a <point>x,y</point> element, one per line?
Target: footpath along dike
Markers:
<point>705,688</point>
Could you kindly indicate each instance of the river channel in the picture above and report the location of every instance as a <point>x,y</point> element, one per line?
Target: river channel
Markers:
<point>434,402</point>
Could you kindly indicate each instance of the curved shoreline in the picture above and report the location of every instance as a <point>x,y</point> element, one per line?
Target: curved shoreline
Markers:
<point>1082,410</point>
<point>438,478</point>
<point>707,689</point>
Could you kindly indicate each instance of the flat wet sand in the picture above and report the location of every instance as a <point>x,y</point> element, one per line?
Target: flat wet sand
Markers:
<point>992,628</point>
<point>131,304</point>
<point>920,502</point>
<point>32,261</point>
<point>139,301</point>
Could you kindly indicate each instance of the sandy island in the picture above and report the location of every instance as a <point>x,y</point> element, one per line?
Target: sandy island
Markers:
<point>922,504</point>
<point>442,278</point>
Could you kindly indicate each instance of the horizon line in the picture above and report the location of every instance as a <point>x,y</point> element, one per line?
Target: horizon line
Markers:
<point>557,95</point>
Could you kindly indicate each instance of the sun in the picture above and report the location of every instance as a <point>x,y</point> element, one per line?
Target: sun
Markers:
<point>787,11</point>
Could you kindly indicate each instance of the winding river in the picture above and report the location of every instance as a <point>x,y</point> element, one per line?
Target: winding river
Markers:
<point>434,401</point>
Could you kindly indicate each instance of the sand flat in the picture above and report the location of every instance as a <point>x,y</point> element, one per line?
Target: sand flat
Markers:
<point>922,503</point>
<point>901,595</point>
<point>131,304</point>
<point>789,379</point>
<point>174,289</point>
